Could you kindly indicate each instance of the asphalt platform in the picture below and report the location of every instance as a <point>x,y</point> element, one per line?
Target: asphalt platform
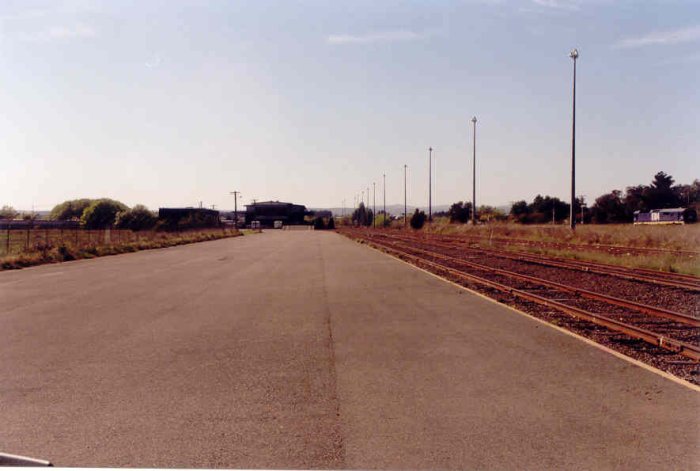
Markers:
<point>307,350</point>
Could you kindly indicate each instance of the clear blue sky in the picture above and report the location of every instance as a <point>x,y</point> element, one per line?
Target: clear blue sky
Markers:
<point>167,103</point>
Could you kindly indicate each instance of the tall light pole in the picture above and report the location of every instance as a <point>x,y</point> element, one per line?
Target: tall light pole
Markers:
<point>235,194</point>
<point>430,184</point>
<point>374,205</point>
<point>384,189</point>
<point>474,174</point>
<point>405,208</point>
<point>572,220</point>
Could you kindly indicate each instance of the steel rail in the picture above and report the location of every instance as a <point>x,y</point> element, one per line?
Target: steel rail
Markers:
<point>667,343</point>
<point>664,277</point>
<point>692,283</point>
<point>464,241</point>
<point>676,280</point>
<point>643,308</point>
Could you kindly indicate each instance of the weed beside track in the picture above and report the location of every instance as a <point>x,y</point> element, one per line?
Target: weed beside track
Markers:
<point>62,252</point>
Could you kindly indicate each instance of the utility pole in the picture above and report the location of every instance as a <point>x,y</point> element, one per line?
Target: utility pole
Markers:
<point>474,174</point>
<point>430,184</point>
<point>374,205</point>
<point>384,188</point>
<point>572,220</point>
<point>405,208</point>
<point>235,194</point>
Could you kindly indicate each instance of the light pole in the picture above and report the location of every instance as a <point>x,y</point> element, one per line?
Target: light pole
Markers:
<point>572,221</point>
<point>430,184</point>
<point>235,194</point>
<point>384,189</point>
<point>374,205</point>
<point>474,174</point>
<point>405,208</point>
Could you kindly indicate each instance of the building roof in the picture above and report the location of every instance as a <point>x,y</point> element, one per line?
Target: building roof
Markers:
<point>272,203</point>
<point>666,210</point>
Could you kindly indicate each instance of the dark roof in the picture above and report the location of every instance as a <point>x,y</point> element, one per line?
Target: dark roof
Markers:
<point>272,203</point>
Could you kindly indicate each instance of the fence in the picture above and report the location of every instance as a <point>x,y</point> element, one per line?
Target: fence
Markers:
<point>22,237</point>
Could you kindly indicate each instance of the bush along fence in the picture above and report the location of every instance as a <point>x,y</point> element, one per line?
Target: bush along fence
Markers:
<point>23,243</point>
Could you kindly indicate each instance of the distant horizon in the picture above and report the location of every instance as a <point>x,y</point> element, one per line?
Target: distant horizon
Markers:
<point>436,206</point>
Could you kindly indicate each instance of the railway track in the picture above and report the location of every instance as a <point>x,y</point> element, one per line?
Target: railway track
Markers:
<point>610,248</point>
<point>669,330</point>
<point>675,280</point>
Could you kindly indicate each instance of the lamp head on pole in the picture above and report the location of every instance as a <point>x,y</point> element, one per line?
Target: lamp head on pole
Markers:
<point>474,120</point>
<point>574,54</point>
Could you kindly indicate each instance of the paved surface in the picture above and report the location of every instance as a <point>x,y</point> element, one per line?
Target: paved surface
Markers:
<point>306,350</point>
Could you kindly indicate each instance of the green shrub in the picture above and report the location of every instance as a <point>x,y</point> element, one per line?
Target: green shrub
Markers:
<point>418,219</point>
<point>102,213</point>
<point>137,218</point>
<point>70,210</point>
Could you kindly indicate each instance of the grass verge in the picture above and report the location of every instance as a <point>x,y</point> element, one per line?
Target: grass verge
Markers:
<point>65,252</point>
<point>662,262</point>
<point>671,237</point>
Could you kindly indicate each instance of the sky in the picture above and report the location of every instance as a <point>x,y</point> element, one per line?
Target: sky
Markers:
<point>169,103</point>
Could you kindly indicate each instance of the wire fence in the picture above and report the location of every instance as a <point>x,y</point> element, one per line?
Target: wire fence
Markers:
<point>24,238</point>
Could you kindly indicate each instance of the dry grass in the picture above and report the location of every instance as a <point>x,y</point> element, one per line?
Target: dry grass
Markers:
<point>676,237</point>
<point>663,262</point>
<point>66,252</point>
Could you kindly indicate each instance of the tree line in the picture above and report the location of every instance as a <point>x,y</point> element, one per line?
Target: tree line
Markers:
<point>97,214</point>
<point>613,207</point>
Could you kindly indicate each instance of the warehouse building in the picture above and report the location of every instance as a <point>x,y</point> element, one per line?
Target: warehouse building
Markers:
<point>267,212</point>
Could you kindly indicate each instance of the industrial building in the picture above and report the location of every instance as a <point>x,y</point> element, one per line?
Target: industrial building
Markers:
<point>267,212</point>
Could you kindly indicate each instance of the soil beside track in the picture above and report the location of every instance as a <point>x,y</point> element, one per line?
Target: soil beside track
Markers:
<point>426,251</point>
